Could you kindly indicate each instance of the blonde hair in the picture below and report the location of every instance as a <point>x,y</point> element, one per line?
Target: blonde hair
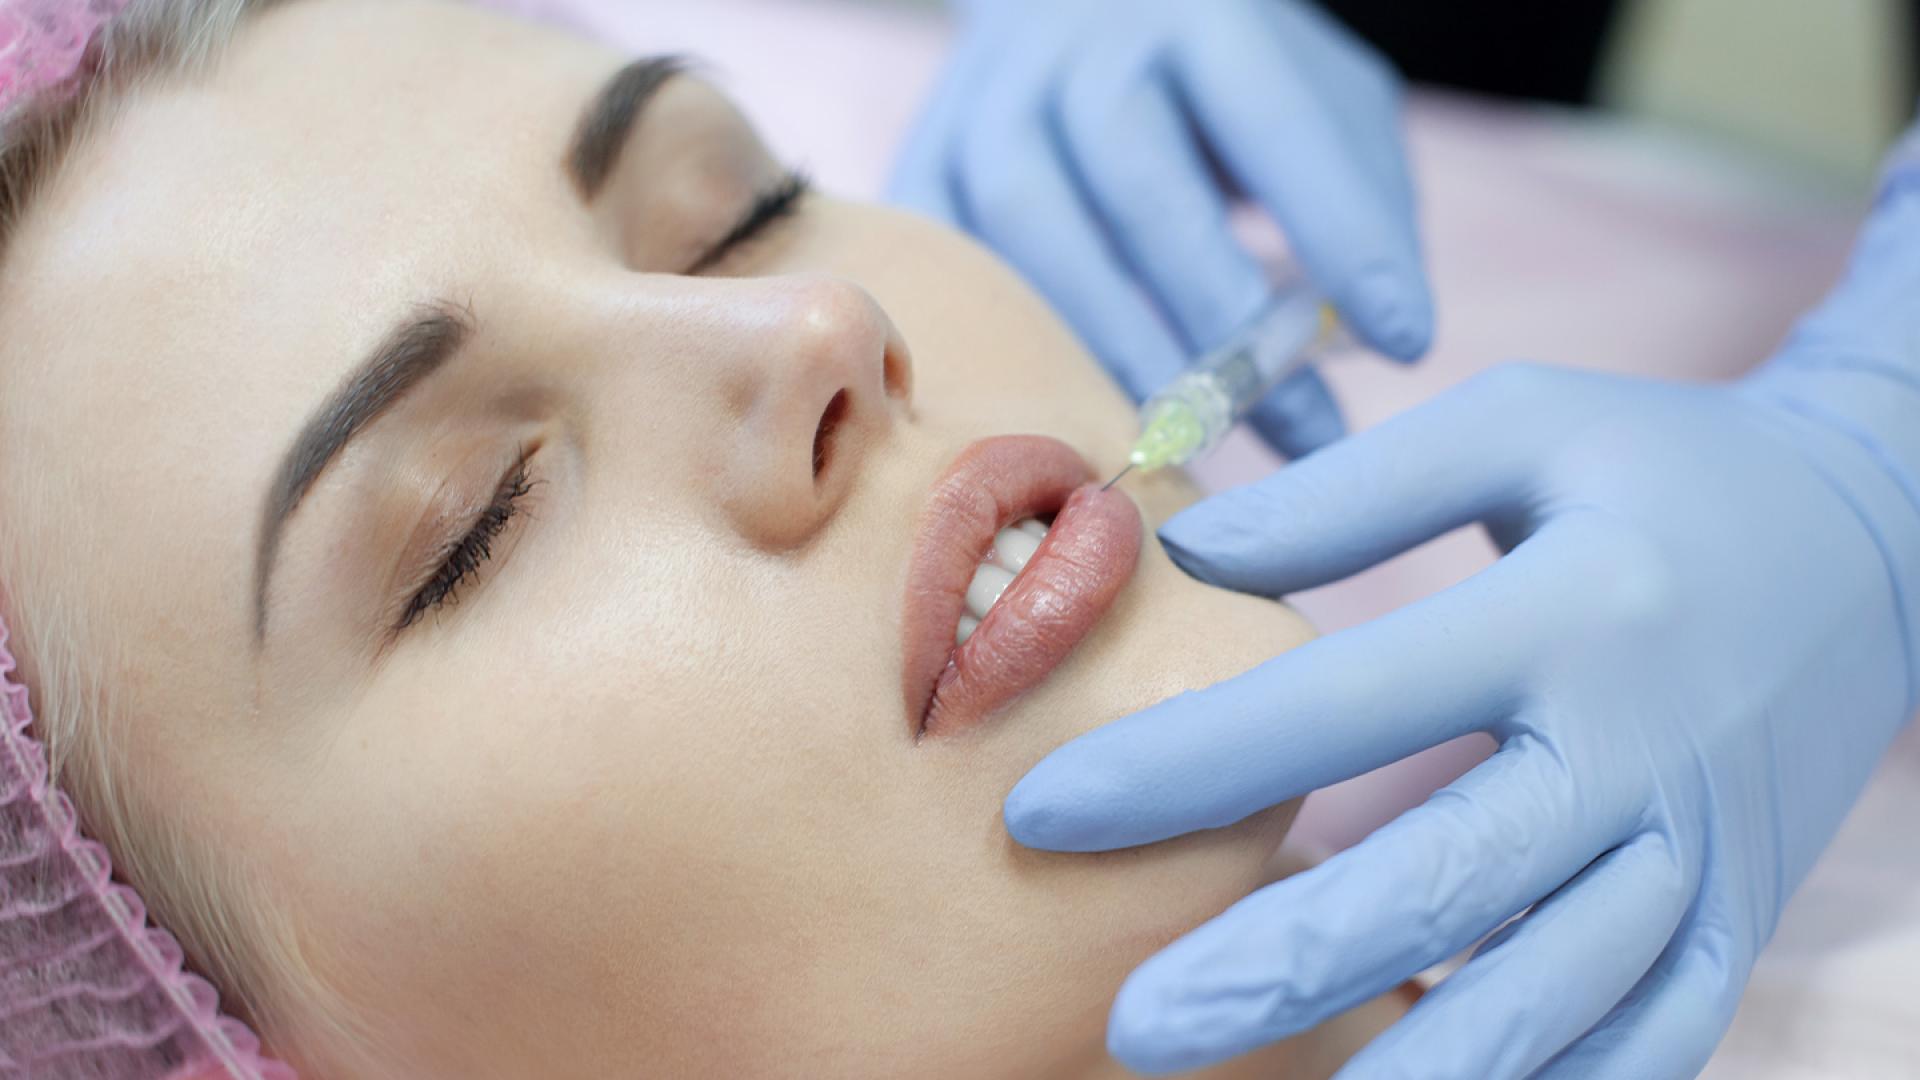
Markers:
<point>212,904</point>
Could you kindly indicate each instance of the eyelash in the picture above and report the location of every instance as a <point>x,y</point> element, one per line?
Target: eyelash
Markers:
<point>466,557</point>
<point>769,206</point>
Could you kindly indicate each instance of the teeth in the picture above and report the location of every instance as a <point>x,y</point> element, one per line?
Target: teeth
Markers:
<point>1013,548</point>
<point>988,583</point>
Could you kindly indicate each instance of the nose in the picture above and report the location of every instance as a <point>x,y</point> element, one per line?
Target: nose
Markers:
<point>818,377</point>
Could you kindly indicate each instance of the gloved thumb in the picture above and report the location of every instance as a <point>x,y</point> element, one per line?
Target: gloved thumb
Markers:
<point>1463,457</point>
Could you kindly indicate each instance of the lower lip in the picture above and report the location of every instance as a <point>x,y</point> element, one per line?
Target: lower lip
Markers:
<point>1055,601</point>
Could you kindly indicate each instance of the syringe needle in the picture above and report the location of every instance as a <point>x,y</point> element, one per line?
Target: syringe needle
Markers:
<point>1117,476</point>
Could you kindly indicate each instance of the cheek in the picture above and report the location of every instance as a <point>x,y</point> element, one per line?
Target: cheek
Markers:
<point>989,354</point>
<point>643,799</point>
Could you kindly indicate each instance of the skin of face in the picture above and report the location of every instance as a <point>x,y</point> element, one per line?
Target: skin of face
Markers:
<point>643,801</point>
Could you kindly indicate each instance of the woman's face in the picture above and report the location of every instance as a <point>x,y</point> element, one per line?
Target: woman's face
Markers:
<point>635,790</point>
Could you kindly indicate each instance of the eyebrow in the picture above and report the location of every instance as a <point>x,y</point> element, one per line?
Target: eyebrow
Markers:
<point>413,350</point>
<point>420,345</point>
<point>611,116</point>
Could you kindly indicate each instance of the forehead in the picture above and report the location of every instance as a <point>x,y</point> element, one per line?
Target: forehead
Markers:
<point>211,260</point>
<point>342,145</point>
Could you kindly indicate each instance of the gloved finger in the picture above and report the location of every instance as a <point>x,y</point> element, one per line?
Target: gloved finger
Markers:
<point>1270,123</point>
<point>1300,416</point>
<point>1462,457</point>
<point>1324,712</point>
<point>922,179</point>
<point>1513,1006</point>
<point>1017,194</point>
<point>923,175</point>
<point>1356,79</point>
<point>1316,944</point>
<point>1134,153</point>
<point>1668,1026</point>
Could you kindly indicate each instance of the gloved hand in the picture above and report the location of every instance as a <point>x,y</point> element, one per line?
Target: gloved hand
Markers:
<point>1701,640</point>
<point>1079,138</point>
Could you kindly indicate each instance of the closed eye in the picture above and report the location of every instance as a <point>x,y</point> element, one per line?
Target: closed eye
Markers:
<point>462,560</point>
<point>771,205</point>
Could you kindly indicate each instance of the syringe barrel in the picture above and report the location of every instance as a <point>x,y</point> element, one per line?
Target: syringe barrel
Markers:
<point>1284,338</point>
<point>1191,414</point>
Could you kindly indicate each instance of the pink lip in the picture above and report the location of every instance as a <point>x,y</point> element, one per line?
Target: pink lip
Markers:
<point>1087,558</point>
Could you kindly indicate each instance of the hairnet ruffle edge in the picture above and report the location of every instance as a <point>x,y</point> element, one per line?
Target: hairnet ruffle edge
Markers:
<point>42,838</point>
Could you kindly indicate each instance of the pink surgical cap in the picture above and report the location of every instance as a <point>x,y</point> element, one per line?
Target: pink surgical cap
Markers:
<point>88,989</point>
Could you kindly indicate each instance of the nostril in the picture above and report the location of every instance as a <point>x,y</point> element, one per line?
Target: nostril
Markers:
<point>823,435</point>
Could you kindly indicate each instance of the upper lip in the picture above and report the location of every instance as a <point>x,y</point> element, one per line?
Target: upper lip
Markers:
<point>1069,582</point>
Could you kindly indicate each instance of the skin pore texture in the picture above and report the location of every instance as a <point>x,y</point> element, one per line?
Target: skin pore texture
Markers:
<point>640,801</point>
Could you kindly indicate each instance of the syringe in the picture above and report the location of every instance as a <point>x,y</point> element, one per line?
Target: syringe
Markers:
<point>1190,415</point>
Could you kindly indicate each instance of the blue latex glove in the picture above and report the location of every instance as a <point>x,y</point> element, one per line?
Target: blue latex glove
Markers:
<point>1699,644</point>
<point>1080,139</point>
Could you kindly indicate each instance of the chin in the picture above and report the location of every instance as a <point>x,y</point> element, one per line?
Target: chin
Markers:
<point>1155,894</point>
